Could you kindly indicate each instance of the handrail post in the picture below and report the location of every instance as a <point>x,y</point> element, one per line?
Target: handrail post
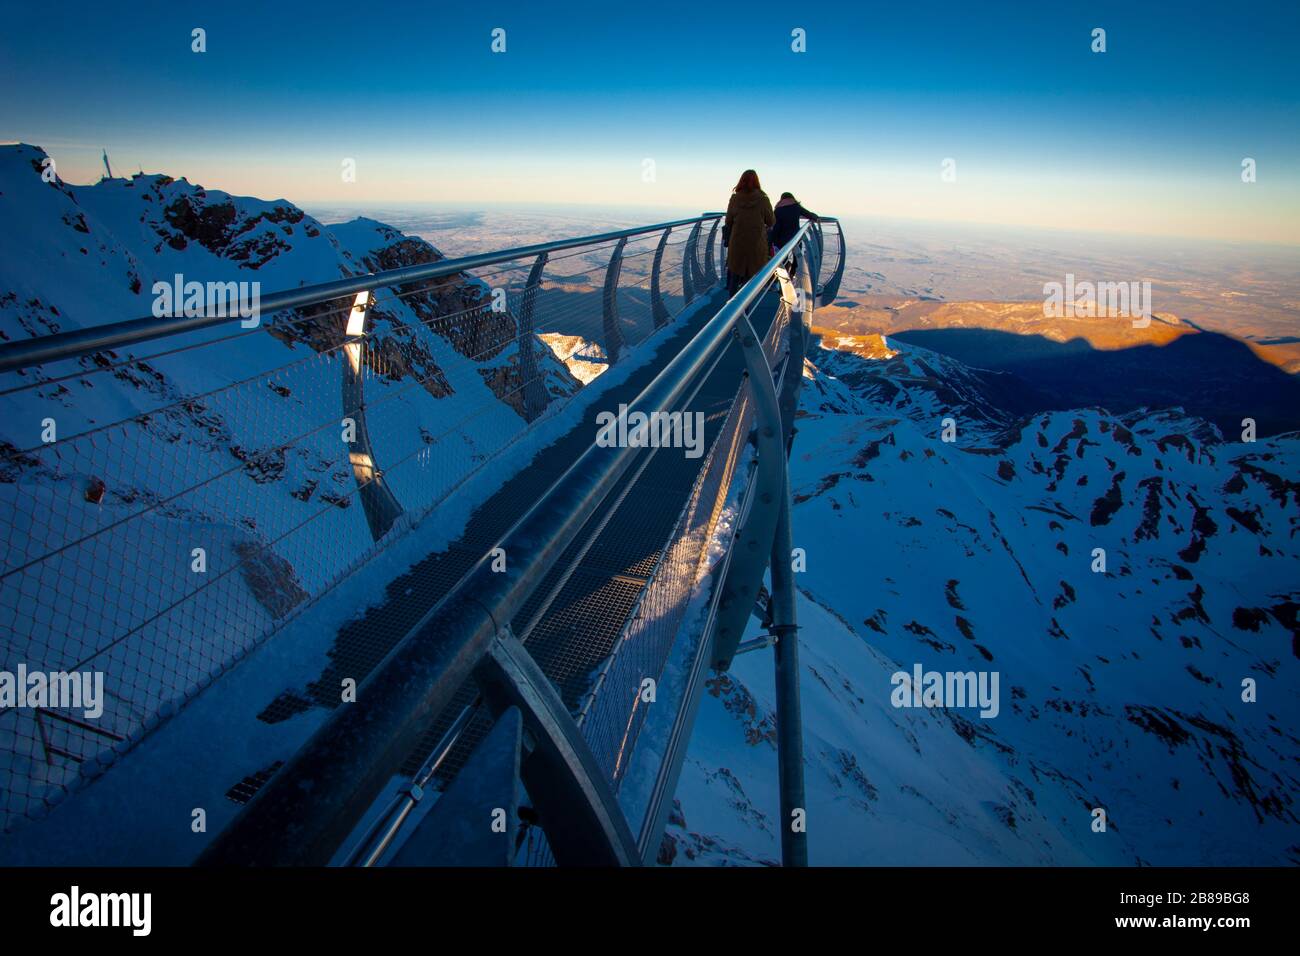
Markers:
<point>378,502</point>
<point>711,270</point>
<point>613,334</point>
<point>691,285</point>
<point>818,245</point>
<point>808,283</point>
<point>657,308</point>
<point>534,389</point>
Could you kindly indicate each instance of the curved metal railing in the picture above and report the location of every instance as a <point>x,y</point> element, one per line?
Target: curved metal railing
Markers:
<point>312,804</point>
<point>831,268</point>
<point>393,360</point>
<point>159,508</point>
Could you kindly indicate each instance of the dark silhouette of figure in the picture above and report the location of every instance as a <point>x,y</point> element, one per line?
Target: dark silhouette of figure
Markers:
<point>788,212</point>
<point>749,214</point>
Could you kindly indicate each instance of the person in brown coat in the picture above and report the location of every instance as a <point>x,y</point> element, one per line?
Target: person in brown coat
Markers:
<point>749,214</point>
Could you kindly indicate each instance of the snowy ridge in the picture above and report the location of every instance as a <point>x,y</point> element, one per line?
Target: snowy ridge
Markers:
<point>1120,690</point>
<point>226,440</point>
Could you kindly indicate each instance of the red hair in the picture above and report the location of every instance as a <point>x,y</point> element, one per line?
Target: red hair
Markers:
<point>748,182</point>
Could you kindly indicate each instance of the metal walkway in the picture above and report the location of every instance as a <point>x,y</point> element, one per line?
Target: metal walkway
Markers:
<point>574,620</point>
<point>566,589</point>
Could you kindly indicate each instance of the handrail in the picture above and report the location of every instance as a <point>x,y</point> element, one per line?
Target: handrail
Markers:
<point>78,342</point>
<point>309,807</point>
<point>153,640</point>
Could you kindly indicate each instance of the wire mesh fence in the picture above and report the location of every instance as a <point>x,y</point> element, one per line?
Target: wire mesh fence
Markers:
<point>614,711</point>
<point>612,718</point>
<point>194,499</point>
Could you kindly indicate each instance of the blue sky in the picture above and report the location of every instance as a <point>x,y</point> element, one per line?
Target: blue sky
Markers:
<point>1145,138</point>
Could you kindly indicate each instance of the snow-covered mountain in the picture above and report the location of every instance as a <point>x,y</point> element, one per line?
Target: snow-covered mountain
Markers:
<point>1121,689</point>
<point>87,255</point>
<point>225,440</point>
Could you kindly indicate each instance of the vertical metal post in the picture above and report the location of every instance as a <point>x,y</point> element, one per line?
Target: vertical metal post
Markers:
<point>818,245</point>
<point>807,279</point>
<point>752,546</point>
<point>657,309</point>
<point>691,283</point>
<point>535,395</point>
<point>789,720</point>
<point>613,334</point>
<point>710,269</point>
<point>377,500</point>
<point>784,628</point>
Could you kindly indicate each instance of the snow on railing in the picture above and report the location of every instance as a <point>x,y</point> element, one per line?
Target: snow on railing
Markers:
<point>188,499</point>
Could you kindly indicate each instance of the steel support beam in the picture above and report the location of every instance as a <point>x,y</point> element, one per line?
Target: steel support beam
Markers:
<point>789,720</point>
<point>818,243</point>
<point>657,309</point>
<point>613,334</point>
<point>754,539</point>
<point>710,267</point>
<point>583,822</point>
<point>796,291</point>
<point>378,502</point>
<point>691,284</point>
<point>790,726</point>
<point>535,396</point>
<point>781,606</point>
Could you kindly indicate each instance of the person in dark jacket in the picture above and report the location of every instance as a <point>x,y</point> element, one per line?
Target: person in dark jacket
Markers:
<point>749,214</point>
<point>787,213</point>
